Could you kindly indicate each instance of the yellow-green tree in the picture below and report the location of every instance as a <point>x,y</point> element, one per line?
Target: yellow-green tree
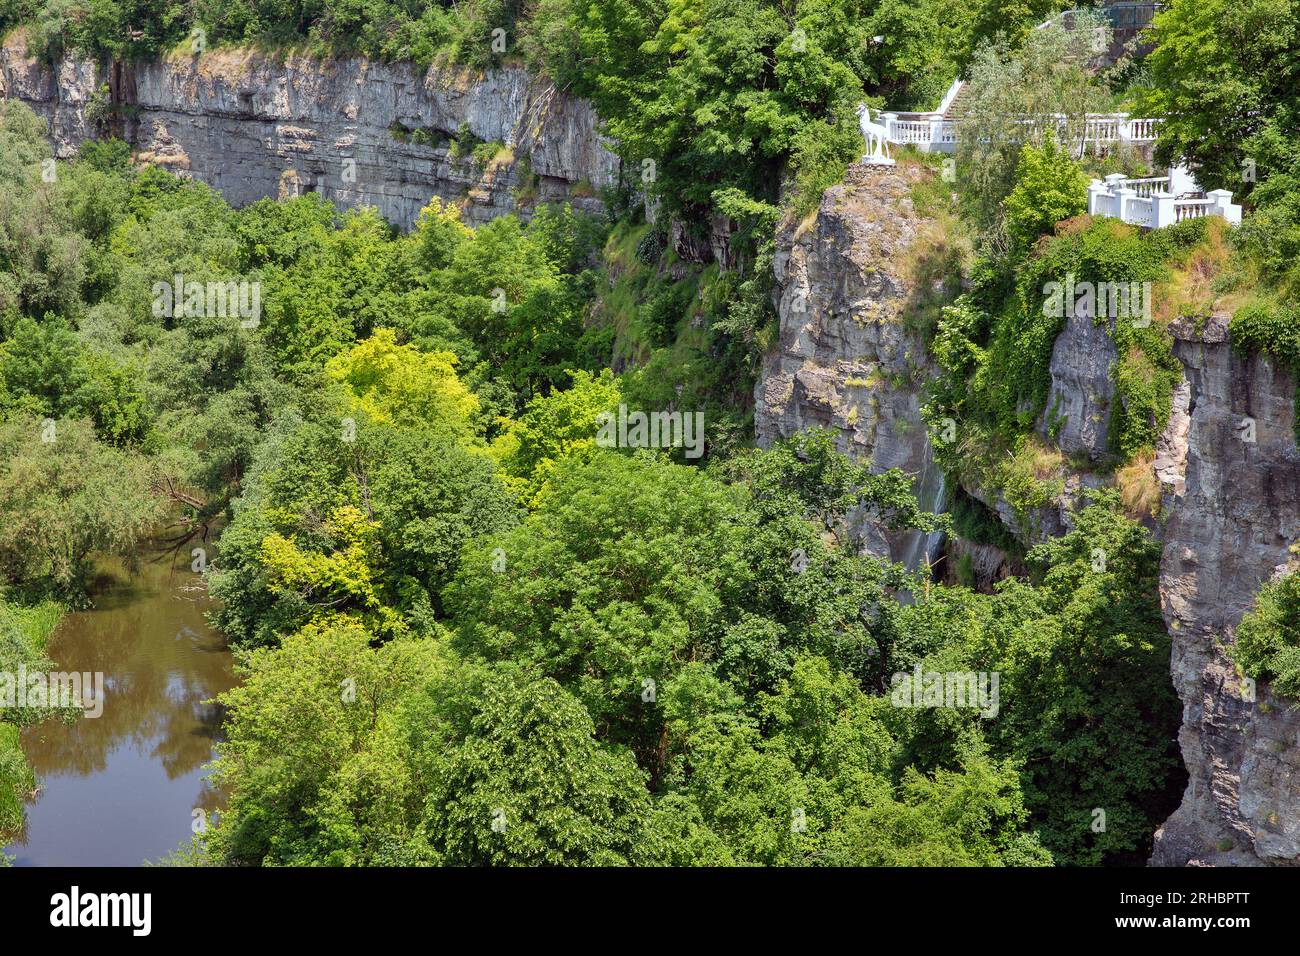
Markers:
<point>400,385</point>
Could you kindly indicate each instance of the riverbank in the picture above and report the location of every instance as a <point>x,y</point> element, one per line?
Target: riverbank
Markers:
<point>24,632</point>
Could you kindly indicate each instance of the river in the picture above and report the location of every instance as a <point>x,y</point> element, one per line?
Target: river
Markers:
<point>122,789</point>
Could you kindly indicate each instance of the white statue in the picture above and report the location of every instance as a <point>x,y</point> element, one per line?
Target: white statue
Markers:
<point>877,138</point>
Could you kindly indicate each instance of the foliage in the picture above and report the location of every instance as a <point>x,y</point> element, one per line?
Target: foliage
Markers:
<point>64,494</point>
<point>23,633</point>
<point>1049,188</point>
<point>400,385</point>
<point>1268,638</point>
<point>998,364</point>
<point>551,429</point>
<point>303,721</point>
<point>470,636</point>
<point>1088,708</point>
<point>612,581</point>
<point>1225,77</point>
<point>1268,328</point>
<point>370,527</point>
<point>1019,97</point>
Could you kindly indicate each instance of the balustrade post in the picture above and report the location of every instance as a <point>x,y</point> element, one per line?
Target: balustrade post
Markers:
<point>1098,198</point>
<point>1114,185</point>
<point>1126,195</point>
<point>1224,206</point>
<point>888,120</point>
<point>1163,211</point>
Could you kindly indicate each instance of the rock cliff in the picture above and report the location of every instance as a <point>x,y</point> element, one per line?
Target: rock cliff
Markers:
<point>847,358</point>
<point>1228,532</point>
<point>1077,414</point>
<point>359,132</point>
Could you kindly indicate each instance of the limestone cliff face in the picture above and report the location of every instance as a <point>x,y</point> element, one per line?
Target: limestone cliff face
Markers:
<point>254,125</point>
<point>847,360</point>
<point>1229,531</point>
<point>1077,414</point>
<point>1233,510</point>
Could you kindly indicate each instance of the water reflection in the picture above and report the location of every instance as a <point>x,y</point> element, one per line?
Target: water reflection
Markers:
<point>122,788</point>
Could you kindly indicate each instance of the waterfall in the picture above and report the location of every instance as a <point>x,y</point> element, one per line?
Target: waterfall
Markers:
<point>918,548</point>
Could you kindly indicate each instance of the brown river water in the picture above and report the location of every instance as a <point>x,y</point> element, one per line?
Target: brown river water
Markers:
<point>121,789</point>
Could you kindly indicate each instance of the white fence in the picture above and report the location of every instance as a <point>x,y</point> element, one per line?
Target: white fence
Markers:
<point>932,133</point>
<point>1158,202</point>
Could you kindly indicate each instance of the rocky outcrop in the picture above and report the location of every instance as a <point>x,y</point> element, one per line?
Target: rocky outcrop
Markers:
<point>1170,464</point>
<point>1077,414</point>
<point>1228,533</point>
<point>978,566</point>
<point>1053,519</point>
<point>847,359</point>
<point>358,132</point>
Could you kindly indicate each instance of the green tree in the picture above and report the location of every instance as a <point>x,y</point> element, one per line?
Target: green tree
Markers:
<point>1268,638</point>
<point>615,579</point>
<point>399,384</point>
<point>370,523</point>
<point>1024,96</point>
<point>63,495</point>
<point>511,774</point>
<point>1049,187</point>
<point>1225,78</point>
<point>305,723</point>
<point>551,429</point>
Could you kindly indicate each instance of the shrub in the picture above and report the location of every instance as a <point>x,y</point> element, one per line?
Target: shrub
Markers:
<point>1268,638</point>
<point>1049,187</point>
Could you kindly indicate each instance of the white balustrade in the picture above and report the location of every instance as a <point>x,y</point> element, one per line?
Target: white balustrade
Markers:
<point>935,133</point>
<point>1155,201</point>
<point>1152,202</point>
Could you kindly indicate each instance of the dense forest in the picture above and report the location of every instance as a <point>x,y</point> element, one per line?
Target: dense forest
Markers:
<point>468,632</point>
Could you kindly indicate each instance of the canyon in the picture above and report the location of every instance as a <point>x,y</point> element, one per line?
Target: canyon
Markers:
<point>255,125</point>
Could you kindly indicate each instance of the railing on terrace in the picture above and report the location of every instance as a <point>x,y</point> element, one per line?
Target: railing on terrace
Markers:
<point>1194,208</point>
<point>1146,188</point>
<point>1158,202</point>
<point>933,133</point>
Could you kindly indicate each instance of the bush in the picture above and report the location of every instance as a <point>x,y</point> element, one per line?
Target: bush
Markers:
<point>1049,187</point>
<point>1271,235</point>
<point>1268,638</point>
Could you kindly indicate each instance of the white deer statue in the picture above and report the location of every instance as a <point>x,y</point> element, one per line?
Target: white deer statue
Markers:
<point>877,138</point>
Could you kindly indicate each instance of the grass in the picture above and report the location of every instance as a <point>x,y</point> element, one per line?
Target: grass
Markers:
<point>16,781</point>
<point>32,625</point>
<point>1030,476</point>
<point>1139,488</point>
<point>934,265</point>
<point>38,621</point>
<point>1195,284</point>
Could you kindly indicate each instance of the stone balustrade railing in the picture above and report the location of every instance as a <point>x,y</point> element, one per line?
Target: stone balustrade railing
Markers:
<point>934,133</point>
<point>1157,202</point>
